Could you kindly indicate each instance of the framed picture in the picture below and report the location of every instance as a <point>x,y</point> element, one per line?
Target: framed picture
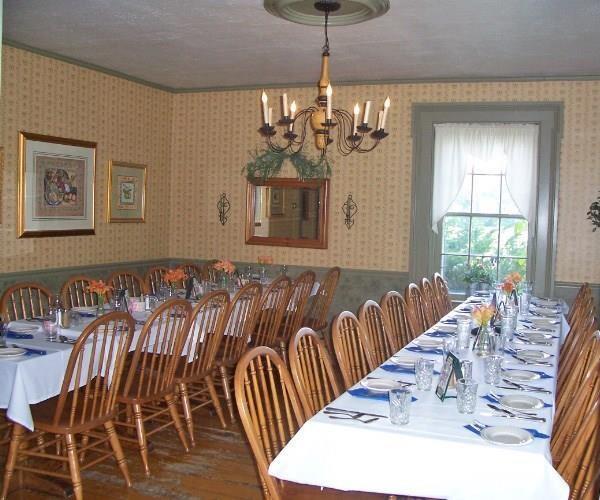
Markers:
<point>56,186</point>
<point>126,192</point>
<point>276,202</point>
<point>450,367</point>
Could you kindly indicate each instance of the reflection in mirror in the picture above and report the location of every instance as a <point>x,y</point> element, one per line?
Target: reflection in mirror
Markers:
<point>287,212</point>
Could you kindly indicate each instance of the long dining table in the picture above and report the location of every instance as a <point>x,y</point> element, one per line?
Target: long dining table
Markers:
<point>439,453</point>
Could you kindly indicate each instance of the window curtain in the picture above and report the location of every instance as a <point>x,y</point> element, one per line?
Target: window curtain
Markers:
<point>462,148</point>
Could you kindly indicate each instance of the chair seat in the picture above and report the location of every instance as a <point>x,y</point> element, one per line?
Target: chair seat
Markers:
<point>148,382</point>
<point>179,377</point>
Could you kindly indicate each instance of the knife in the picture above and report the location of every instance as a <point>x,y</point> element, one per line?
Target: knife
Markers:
<point>341,410</point>
<point>510,414</point>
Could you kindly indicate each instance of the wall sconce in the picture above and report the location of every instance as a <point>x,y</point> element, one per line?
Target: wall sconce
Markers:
<point>350,208</point>
<point>223,206</point>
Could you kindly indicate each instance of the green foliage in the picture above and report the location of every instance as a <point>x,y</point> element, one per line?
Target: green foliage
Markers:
<point>479,272</point>
<point>594,214</point>
<point>268,164</point>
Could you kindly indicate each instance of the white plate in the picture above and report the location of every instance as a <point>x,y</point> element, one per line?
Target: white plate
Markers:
<point>507,436</point>
<point>11,352</point>
<point>23,328</point>
<point>520,375</point>
<point>430,343</point>
<point>521,402</point>
<point>532,355</point>
<point>528,332</point>
<point>404,361</point>
<point>545,323</point>
<point>85,309</point>
<point>545,302</point>
<point>537,338</point>
<point>380,384</point>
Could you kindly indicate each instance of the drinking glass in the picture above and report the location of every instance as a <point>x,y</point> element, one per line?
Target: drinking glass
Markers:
<point>263,275</point>
<point>514,311</point>
<point>400,400</point>
<point>3,332</point>
<point>449,345</point>
<point>466,367</point>
<point>506,324</point>
<point>524,303</point>
<point>466,395</point>
<point>463,333</point>
<point>498,343</point>
<point>424,374</point>
<point>493,367</point>
<point>50,328</point>
<point>283,270</point>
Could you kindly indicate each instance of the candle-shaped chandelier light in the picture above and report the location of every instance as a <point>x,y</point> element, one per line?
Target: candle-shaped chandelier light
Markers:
<point>353,133</point>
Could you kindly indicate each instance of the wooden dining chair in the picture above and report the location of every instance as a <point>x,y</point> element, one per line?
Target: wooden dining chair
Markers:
<point>378,341</point>
<point>583,294</point>
<point>316,317</point>
<point>430,299</point>
<point>395,316</point>
<point>238,329</point>
<point>150,379</point>
<point>193,376</point>
<point>312,371</point>
<point>84,408</point>
<point>294,311</point>
<point>570,360</point>
<point>270,410</point>
<point>25,301</point>
<point>154,277</point>
<point>270,311</point>
<point>191,269</point>
<point>349,347</point>
<point>440,286</point>
<point>209,273</point>
<point>128,280</point>
<point>417,311</point>
<point>74,292</point>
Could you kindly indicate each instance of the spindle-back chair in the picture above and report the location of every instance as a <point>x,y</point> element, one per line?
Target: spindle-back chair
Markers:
<point>417,310</point>
<point>430,299</point>
<point>74,292</point>
<point>442,294</point>
<point>128,280</point>
<point>316,318</point>
<point>154,277</point>
<point>394,308</point>
<point>378,342</point>
<point>350,351</point>
<point>25,301</point>
<point>270,311</point>
<point>191,269</point>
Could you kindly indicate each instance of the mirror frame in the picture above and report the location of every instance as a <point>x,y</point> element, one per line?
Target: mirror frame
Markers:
<point>321,184</point>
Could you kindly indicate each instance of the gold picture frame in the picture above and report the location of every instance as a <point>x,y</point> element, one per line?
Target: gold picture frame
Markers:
<point>56,186</point>
<point>126,192</point>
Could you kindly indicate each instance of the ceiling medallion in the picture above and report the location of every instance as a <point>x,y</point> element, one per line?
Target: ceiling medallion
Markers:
<point>324,118</point>
<point>347,12</point>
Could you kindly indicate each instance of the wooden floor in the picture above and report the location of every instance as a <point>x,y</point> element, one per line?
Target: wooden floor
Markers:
<point>219,467</point>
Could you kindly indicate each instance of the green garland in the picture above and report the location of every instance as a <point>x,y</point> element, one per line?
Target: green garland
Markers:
<point>268,164</point>
<point>594,213</point>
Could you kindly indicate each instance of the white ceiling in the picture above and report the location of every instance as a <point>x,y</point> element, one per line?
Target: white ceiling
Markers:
<point>230,43</point>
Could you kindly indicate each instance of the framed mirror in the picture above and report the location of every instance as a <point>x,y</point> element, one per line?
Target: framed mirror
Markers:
<point>287,212</point>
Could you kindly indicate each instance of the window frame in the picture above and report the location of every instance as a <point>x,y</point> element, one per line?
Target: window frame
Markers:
<point>425,244</point>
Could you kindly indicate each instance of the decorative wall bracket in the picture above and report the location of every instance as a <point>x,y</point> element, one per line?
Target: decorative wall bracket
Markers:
<point>223,206</point>
<point>350,208</point>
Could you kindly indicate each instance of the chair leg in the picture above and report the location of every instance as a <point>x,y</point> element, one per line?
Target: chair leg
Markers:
<point>284,355</point>
<point>187,411</point>
<point>141,435</point>
<point>117,450</point>
<point>227,391</point>
<point>215,400</point>
<point>178,425</point>
<point>13,450</point>
<point>74,466</point>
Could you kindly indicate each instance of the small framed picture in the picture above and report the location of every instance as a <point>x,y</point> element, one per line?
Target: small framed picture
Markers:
<point>276,201</point>
<point>450,366</point>
<point>126,192</point>
<point>56,186</point>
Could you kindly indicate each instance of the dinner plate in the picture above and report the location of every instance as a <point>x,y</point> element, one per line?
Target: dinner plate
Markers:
<point>537,338</point>
<point>545,322</point>
<point>532,355</point>
<point>404,361</point>
<point>23,328</point>
<point>428,342</point>
<point>85,309</point>
<point>521,402</point>
<point>544,302</point>
<point>520,375</point>
<point>551,313</point>
<point>11,352</point>
<point>506,436</point>
<point>528,332</point>
<point>380,384</point>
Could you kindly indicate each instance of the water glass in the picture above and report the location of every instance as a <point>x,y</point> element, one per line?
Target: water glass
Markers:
<point>463,333</point>
<point>424,374</point>
<point>498,341</point>
<point>466,366</point>
<point>493,368</point>
<point>466,395</point>
<point>449,345</point>
<point>263,275</point>
<point>514,312</point>
<point>524,303</point>
<point>506,324</point>
<point>283,270</point>
<point>400,400</point>
<point>50,328</point>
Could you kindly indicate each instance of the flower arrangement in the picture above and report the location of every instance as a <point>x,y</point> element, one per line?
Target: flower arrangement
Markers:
<point>100,289</point>
<point>225,265</point>
<point>508,286</point>
<point>264,260</point>
<point>515,277</point>
<point>479,272</point>
<point>483,314</point>
<point>174,276</point>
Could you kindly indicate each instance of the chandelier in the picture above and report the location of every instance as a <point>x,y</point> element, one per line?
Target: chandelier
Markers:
<point>353,130</point>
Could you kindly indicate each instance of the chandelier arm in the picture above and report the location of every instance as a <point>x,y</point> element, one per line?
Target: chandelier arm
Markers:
<point>345,146</point>
<point>276,147</point>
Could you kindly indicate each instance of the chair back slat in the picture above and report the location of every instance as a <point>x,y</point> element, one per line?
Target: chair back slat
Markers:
<point>191,269</point>
<point>296,304</point>
<point>415,310</point>
<point>270,312</point>
<point>434,312</point>
<point>94,371</point>
<point>74,292</point>
<point>378,342</point>
<point>158,350</point>
<point>206,333</point>
<point>25,301</point>
<point>394,306</point>
<point>312,371</point>
<point>239,323</point>
<point>349,348</point>
<point>269,407</point>
<point>316,318</point>
<point>154,277</point>
<point>128,280</point>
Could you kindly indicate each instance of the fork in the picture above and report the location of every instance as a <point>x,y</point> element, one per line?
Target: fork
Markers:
<point>524,387</point>
<point>347,416</point>
<point>509,414</point>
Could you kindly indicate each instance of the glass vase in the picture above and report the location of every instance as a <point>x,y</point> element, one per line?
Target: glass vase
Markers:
<point>483,345</point>
<point>100,311</point>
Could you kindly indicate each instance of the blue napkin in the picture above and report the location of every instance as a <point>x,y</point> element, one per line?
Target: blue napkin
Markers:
<point>440,334</point>
<point>401,369</point>
<point>449,321</point>
<point>86,315</point>
<point>15,335</point>
<point>492,399</point>
<point>424,350</point>
<point>534,433</point>
<point>363,392</point>
<point>33,352</point>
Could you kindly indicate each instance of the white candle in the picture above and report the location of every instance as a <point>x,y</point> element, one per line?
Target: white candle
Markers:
<point>293,114</point>
<point>285,105</point>
<point>386,107</point>
<point>270,120</point>
<point>367,111</point>
<point>329,93</point>
<point>356,112</point>
<point>379,118</point>
<point>264,100</point>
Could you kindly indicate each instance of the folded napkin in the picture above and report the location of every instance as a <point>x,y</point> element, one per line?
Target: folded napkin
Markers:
<point>391,367</point>
<point>86,314</point>
<point>363,392</point>
<point>33,352</point>
<point>16,335</point>
<point>492,399</point>
<point>440,334</point>
<point>449,321</point>
<point>425,350</point>
<point>534,433</point>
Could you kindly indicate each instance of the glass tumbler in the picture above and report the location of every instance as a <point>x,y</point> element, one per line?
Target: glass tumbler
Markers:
<point>466,395</point>
<point>400,400</point>
<point>449,345</point>
<point>506,324</point>
<point>466,367</point>
<point>492,369</point>
<point>463,333</point>
<point>424,374</point>
<point>524,303</point>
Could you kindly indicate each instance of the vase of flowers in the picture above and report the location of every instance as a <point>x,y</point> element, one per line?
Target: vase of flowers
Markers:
<point>100,289</point>
<point>172,277</point>
<point>484,342</point>
<point>478,276</point>
<point>226,269</point>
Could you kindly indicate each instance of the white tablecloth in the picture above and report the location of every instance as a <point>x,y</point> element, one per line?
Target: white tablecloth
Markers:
<point>432,456</point>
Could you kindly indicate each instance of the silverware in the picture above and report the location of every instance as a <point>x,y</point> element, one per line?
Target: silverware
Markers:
<point>532,363</point>
<point>342,410</point>
<point>529,342</point>
<point>343,416</point>
<point>397,381</point>
<point>509,414</point>
<point>525,387</point>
